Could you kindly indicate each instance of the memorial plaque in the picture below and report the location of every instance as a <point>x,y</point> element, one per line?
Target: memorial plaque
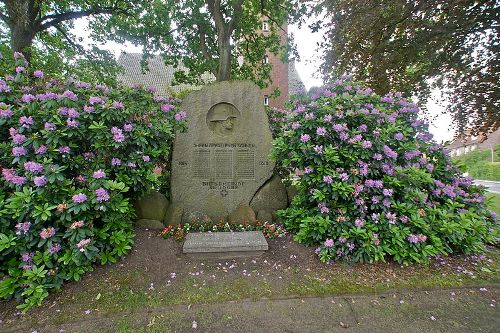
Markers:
<point>223,159</point>
<point>246,164</point>
<point>223,164</point>
<point>201,164</point>
<point>225,241</point>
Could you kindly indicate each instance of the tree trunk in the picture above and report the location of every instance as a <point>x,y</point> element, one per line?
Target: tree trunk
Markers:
<point>224,70</point>
<point>224,30</point>
<point>22,39</point>
<point>22,16</point>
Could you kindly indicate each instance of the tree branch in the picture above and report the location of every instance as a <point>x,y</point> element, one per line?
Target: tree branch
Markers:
<point>203,46</point>
<point>276,23</point>
<point>214,9</point>
<point>4,18</point>
<point>238,8</point>
<point>80,48</point>
<point>204,50</point>
<point>55,19</point>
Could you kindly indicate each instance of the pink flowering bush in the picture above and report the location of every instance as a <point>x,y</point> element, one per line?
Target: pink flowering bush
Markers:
<point>371,183</point>
<point>72,158</point>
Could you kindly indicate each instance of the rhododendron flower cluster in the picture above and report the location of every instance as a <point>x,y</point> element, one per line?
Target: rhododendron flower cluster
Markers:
<point>378,187</point>
<point>73,158</point>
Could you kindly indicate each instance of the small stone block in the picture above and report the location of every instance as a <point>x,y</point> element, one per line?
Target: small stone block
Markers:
<point>225,244</point>
<point>149,224</point>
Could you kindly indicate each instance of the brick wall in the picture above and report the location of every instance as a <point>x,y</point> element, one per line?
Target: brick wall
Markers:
<point>279,76</point>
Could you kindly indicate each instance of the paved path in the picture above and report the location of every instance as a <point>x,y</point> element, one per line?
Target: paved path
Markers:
<point>492,186</point>
<point>471,309</point>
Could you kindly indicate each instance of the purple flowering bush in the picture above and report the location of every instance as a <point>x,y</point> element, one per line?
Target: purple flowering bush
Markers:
<point>73,156</point>
<point>371,183</point>
<point>276,118</point>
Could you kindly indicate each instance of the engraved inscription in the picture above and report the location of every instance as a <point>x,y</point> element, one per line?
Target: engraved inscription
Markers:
<point>223,145</point>
<point>222,185</point>
<point>245,164</point>
<point>201,164</point>
<point>223,164</point>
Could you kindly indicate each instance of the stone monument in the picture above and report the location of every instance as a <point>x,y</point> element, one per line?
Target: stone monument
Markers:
<point>223,158</point>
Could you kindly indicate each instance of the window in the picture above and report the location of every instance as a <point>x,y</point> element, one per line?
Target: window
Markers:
<point>265,26</point>
<point>266,59</point>
<point>266,100</point>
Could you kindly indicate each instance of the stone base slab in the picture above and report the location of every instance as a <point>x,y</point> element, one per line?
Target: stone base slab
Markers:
<point>224,255</point>
<point>225,245</point>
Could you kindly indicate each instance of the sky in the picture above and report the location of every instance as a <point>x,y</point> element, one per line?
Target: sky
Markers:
<point>307,67</point>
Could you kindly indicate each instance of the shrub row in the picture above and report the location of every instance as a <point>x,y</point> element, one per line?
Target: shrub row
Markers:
<point>371,182</point>
<point>73,156</point>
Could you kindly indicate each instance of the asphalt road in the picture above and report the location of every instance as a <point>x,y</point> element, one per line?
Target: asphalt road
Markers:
<point>492,186</point>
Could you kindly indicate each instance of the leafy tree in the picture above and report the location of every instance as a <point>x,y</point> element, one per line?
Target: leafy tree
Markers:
<point>414,46</point>
<point>203,35</point>
<point>41,30</point>
<point>212,36</point>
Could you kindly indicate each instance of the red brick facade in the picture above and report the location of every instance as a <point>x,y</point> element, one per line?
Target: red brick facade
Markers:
<point>279,76</point>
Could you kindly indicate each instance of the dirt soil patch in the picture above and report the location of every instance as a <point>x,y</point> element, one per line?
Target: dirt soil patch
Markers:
<point>156,275</point>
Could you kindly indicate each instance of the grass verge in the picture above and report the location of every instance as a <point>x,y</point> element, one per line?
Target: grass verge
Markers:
<point>494,202</point>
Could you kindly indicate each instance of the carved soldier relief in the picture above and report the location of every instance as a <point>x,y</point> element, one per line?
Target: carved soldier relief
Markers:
<point>222,119</point>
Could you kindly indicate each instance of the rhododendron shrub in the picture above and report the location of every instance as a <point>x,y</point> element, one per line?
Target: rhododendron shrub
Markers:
<point>72,157</point>
<point>371,183</point>
<point>276,118</point>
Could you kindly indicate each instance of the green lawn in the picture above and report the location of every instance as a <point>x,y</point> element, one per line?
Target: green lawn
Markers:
<point>494,202</point>
<point>479,165</point>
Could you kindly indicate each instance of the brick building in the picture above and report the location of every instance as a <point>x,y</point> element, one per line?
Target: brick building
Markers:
<point>281,74</point>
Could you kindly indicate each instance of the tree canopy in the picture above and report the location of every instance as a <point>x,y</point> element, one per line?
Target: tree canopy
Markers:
<point>41,30</point>
<point>214,36</point>
<point>415,46</point>
<point>219,37</point>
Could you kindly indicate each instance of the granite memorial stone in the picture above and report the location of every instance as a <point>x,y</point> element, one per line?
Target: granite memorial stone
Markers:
<point>152,206</point>
<point>149,224</point>
<point>173,215</point>
<point>271,197</point>
<point>264,216</point>
<point>243,214</point>
<point>223,158</point>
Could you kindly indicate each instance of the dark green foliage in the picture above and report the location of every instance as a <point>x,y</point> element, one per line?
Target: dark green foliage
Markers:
<point>413,46</point>
<point>211,36</point>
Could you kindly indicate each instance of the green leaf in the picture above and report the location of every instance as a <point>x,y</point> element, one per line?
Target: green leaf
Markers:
<point>6,241</point>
